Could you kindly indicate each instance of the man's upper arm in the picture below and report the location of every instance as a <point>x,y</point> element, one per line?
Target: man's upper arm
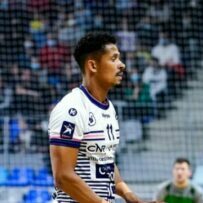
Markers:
<point>63,159</point>
<point>66,127</point>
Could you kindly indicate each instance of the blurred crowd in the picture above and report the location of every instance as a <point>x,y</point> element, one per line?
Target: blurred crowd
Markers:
<point>160,42</point>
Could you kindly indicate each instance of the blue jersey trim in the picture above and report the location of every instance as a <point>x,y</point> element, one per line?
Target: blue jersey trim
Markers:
<point>93,100</point>
<point>95,139</point>
<point>66,143</point>
<point>96,131</point>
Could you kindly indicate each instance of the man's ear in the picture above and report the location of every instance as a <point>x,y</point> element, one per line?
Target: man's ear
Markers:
<point>92,65</point>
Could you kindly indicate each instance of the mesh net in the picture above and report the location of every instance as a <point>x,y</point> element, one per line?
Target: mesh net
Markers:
<point>159,102</point>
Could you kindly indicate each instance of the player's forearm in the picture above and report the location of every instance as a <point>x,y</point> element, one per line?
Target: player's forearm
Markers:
<point>74,186</point>
<point>123,190</point>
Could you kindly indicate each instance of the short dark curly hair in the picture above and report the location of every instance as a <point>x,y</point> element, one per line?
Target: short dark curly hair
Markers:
<point>91,43</point>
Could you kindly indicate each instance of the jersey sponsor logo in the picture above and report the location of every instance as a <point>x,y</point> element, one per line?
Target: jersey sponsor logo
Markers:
<point>67,130</point>
<point>105,171</point>
<point>72,112</point>
<point>105,115</point>
<point>92,120</point>
<point>101,148</point>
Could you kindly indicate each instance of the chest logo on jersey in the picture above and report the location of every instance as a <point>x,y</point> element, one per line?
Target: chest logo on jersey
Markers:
<point>92,120</point>
<point>67,130</point>
<point>72,112</point>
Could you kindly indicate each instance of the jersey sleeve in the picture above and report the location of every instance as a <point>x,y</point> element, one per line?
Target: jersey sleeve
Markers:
<point>66,125</point>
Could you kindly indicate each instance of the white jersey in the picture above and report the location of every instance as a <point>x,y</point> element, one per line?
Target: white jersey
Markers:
<point>80,121</point>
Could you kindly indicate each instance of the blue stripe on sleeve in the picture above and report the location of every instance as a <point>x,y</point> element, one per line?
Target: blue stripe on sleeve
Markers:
<point>66,143</point>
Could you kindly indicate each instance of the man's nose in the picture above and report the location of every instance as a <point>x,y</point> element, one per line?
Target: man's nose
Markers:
<point>122,66</point>
<point>179,171</point>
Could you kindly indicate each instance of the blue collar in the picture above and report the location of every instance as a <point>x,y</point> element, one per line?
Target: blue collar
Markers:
<point>93,100</point>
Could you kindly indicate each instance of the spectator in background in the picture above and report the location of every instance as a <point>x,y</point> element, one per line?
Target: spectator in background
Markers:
<point>126,38</point>
<point>5,102</point>
<point>133,81</point>
<point>35,64</point>
<point>27,96</point>
<point>38,140</point>
<point>61,19</point>
<point>53,57</point>
<point>126,7</point>
<point>159,11</point>
<point>38,27</point>
<point>180,189</point>
<point>38,23</point>
<point>156,77</point>
<point>98,22</point>
<point>24,58</point>
<point>190,33</point>
<point>166,51</point>
<point>133,90</point>
<point>4,4</point>
<point>142,57</point>
<point>106,10</point>
<point>169,56</point>
<point>25,134</point>
<point>13,26</point>
<point>14,135</point>
<point>147,32</point>
<point>5,97</point>
<point>1,134</point>
<point>13,80</point>
<point>125,4</point>
<point>39,5</point>
<point>82,16</point>
<point>47,8</point>
<point>133,86</point>
<point>19,134</point>
<point>72,75</point>
<point>68,32</point>
<point>28,43</point>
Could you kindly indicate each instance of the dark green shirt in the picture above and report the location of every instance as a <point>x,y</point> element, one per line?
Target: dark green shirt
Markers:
<point>169,193</point>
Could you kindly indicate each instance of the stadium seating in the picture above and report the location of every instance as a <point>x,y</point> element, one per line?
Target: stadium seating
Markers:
<point>37,196</point>
<point>20,177</point>
<point>43,178</point>
<point>3,176</point>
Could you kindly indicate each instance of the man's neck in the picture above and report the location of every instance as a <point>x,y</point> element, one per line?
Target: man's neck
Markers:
<point>97,91</point>
<point>181,185</point>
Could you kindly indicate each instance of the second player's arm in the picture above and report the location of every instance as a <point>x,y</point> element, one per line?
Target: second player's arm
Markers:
<point>63,161</point>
